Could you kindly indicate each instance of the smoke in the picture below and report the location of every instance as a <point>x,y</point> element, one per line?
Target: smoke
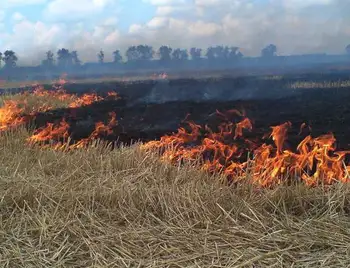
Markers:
<point>207,90</point>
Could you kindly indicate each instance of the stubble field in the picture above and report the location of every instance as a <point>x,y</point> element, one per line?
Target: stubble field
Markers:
<point>97,188</point>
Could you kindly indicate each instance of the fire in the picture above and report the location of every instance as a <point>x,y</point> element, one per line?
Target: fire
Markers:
<point>50,132</point>
<point>11,114</point>
<point>17,112</point>
<point>315,160</point>
<point>100,130</point>
<point>59,134</point>
<point>279,135</point>
<point>59,94</point>
<point>225,149</point>
<point>86,99</point>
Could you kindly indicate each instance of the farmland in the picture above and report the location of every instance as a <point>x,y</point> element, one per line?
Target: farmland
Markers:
<point>85,182</point>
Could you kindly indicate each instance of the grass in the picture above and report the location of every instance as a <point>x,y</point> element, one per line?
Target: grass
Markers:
<point>123,208</point>
<point>323,84</point>
<point>108,79</point>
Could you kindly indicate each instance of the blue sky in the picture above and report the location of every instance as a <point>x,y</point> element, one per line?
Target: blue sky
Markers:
<point>32,27</point>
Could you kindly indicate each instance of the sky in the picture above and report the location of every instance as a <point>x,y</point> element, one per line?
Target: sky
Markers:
<point>31,27</point>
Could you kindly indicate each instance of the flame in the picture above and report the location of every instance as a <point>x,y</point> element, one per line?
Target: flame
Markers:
<point>225,149</point>
<point>50,132</point>
<point>59,94</point>
<point>100,130</point>
<point>17,112</point>
<point>315,160</point>
<point>86,99</point>
<point>59,134</point>
<point>11,114</point>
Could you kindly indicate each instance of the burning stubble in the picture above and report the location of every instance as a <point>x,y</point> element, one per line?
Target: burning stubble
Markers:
<point>225,150</point>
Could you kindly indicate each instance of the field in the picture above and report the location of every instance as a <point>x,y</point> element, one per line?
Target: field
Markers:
<point>78,189</point>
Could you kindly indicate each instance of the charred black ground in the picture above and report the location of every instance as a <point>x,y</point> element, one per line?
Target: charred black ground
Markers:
<point>151,109</point>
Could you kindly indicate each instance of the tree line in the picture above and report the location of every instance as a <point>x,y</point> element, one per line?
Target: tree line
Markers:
<point>144,53</point>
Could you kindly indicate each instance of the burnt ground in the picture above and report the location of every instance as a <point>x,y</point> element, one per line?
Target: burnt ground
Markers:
<point>151,109</point>
<point>325,110</point>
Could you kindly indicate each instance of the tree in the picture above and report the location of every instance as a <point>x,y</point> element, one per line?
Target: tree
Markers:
<point>49,61</point>
<point>131,53</point>
<point>145,52</point>
<point>210,53</point>
<point>269,51</point>
<point>234,53</point>
<point>165,53</point>
<point>101,56</point>
<point>75,58</point>
<point>64,58</point>
<point>139,53</point>
<point>347,49</point>
<point>195,53</point>
<point>1,59</point>
<point>218,53</point>
<point>10,59</point>
<point>180,54</point>
<point>117,57</point>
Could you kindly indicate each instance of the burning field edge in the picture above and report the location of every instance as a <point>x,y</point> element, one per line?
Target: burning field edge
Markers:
<point>227,146</point>
<point>69,197</point>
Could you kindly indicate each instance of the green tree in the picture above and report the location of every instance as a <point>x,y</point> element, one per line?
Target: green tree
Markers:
<point>139,53</point>
<point>117,57</point>
<point>269,51</point>
<point>64,58</point>
<point>195,53</point>
<point>101,56</point>
<point>10,59</point>
<point>49,61</point>
<point>75,58</point>
<point>180,54</point>
<point>165,53</point>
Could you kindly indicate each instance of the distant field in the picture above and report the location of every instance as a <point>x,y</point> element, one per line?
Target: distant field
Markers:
<point>274,74</point>
<point>121,78</point>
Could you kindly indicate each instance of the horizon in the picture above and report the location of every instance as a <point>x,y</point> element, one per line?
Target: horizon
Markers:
<point>156,57</point>
<point>294,26</point>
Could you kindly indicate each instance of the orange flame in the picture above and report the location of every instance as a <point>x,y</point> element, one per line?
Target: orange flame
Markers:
<point>315,161</point>
<point>86,99</point>
<point>59,134</point>
<point>11,115</point>
<point>100,129</point>
<point>50,132</point>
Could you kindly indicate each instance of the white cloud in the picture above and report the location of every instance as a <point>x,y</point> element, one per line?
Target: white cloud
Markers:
<point>74,10</point>
<point>16,3</point>
<point>169,10</point>
<point>166,2</point>
<point>17,16</point>
<point>296,4</point>
<point>248,24</point>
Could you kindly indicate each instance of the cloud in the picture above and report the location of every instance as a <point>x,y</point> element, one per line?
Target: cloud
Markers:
<point>165,2</point>
<point>64,10</point>
<point>17,16</point>
<point>295,26</point>
<point>171,10</point>
<point>21,3</point>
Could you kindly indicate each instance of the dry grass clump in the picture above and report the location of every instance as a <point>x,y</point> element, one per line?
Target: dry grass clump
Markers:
<point>32,103</point>
<point>123,208</point>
